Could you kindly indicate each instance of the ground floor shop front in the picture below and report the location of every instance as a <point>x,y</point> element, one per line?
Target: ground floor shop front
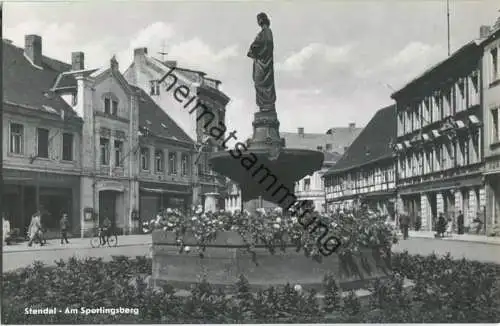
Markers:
<point>424,202</point>
<point>155,197</point>
<point>26,192</point>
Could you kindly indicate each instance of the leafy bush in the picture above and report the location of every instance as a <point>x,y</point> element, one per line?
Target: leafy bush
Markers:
<point>444,290</point>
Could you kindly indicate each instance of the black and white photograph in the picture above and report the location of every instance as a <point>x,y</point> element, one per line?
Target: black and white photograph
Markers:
<point>250,162</point>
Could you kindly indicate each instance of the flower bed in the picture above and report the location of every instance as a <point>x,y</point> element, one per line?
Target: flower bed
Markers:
<point>270,249</point>
<point>442,294</point>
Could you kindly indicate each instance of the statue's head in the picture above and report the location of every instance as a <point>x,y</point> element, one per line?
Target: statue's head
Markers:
<point>263,20</point>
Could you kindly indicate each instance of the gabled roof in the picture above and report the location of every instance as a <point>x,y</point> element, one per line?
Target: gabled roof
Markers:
<point>433,70</point>
<point>29,86</point>
<point>373,143</point>
<point>339,139</point>
<point>158,123</point>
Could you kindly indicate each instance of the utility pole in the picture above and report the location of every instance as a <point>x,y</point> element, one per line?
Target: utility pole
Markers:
<point>448,24</point>
<point>1,108</point>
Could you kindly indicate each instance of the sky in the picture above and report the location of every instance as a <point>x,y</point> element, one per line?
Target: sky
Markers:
<point>336,62</point>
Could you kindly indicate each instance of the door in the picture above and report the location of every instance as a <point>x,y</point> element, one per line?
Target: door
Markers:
<point>107,205</point>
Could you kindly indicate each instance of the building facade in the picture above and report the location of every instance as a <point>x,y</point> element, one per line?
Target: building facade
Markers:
<point>193,101</point>
<point>333,143</point>
<point>440,140</point>
<point>366,173</point>
<point>491,112</point>
<point>41,140</point>
<point>86,142</point>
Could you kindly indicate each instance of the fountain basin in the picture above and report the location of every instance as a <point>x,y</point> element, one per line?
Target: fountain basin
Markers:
<point>259,176</point>
<point>227,257</point>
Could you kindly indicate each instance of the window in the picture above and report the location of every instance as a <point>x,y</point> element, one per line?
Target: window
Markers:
<point>172,163</point>
<point>118,153</point>
<point>154,87</point>
<point>114,107</point>
<point>43,143</point>
<point>185,164</point>
<point>159,160</point>
<point>145,158</point>
<point>494,64</point>
<point>495,128</point>
<point>107,106</point>
<point>328,147</point>
<point>67,147</point>
<point>307,184</point>
<point>16,138</point>
<point>474,148</point>
<point>473,89</point>
<point>104,146</point>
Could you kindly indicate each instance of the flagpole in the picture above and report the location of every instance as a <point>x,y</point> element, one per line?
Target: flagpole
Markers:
<point>448,24</point>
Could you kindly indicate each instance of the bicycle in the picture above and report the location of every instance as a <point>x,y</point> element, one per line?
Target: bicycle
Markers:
<point>110,239</point>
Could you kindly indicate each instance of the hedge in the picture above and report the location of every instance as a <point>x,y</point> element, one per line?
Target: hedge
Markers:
<point>444,290</point>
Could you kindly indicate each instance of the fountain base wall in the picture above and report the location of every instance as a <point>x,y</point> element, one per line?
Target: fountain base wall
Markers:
<point>227,257</point>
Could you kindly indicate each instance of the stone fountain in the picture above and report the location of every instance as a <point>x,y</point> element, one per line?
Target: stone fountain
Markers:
<point>263,167</point>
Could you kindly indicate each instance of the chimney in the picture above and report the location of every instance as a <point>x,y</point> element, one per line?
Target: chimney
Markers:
<point>33,49</point>
<point>484,31</point>
<point>77,61</point>
<point>140,52</point>
<point>352,125</point>
<point>300,131</point>
<point>113,63</point>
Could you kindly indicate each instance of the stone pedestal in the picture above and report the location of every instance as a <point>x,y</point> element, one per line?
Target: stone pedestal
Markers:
<point>211,202</point>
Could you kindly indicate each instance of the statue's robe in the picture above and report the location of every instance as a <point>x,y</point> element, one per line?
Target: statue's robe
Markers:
<point>261,51</point>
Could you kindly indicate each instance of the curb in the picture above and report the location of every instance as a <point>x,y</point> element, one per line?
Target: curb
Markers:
<point>458,240</point>
<point>66,248</point>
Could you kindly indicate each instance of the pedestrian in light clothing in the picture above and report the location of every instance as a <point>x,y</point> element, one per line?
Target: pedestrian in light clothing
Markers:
<point>35,229</point>
<point>64,223</point>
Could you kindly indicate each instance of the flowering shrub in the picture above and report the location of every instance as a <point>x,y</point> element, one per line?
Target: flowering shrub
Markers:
<point>276,230</point>
<point>442,295</point>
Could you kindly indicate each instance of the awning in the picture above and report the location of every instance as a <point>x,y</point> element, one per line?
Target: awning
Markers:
<point>436,133</point>
<point>474,120</point>
<point>165,191</point>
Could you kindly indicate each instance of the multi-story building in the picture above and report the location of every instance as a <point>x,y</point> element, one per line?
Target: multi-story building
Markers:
<point>86,142</point>
<point>136,159</point>
<point>41,140</point>
<point>194,102</point>
<point>491,112</point>
<point>367,170</point>
<point>333,143</point>
<point>439,140</point>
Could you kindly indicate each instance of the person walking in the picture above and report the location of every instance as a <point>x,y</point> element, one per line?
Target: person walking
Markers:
<point>405,224</point>
<point>35,230</point>
<point>64,224</point>
<point>460,222</point>
<point>441,225</point>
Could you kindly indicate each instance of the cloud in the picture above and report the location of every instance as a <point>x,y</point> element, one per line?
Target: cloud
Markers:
<point>329,54</point>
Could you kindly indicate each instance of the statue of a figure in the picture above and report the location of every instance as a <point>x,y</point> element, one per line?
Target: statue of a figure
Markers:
<point>261,51</point>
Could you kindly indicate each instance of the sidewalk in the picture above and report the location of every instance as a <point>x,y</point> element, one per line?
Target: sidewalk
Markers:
<point>78,243</point>
<point>457,237</point>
